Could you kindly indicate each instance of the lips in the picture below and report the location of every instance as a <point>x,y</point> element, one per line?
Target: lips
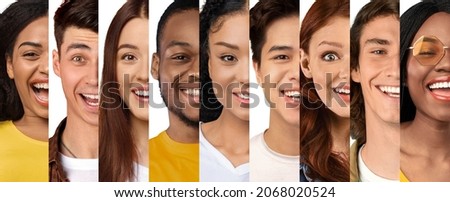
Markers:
<point>92,100</point>
<point>292,95</point>
<point>141,93</point>
<point>391,91</point>
<point>242,96</point>
<point>40,88</point>
<point>343,92</point>
<point>440,88</point>
<point>191,90</point>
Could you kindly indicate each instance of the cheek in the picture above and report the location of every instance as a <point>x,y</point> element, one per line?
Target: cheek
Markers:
<point>23,69</point>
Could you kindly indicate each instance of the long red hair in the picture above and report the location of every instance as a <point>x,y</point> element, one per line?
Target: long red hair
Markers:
<point>316,141</point>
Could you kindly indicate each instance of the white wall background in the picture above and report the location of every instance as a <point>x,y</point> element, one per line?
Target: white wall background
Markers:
<point>259,115</point>
<point>158,117</point>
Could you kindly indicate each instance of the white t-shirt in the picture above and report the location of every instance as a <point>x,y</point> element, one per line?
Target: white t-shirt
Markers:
<point>215,167</point>
<point>267,165</point>
<point>365,174</point>
<point>141,173</point>
<point>80,170</point>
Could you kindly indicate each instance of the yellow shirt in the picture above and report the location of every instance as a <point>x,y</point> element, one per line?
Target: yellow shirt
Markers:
<point>172,161</point>
<point>403,178</point>
<point>22,158</point>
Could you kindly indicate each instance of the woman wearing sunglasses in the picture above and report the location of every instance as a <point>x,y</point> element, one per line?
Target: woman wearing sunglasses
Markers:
<point>425,101</point>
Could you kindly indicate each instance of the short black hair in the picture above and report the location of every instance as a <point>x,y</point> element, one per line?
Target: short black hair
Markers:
<point>12,21</point>
<point>82,14</point>
<point>262,15</point>
<point>410,23</point>
<point>176,7</point>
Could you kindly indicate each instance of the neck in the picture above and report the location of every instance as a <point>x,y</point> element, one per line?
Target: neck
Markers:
<point>282,137</point>
<point>228,131</point>
<point>140,135</point>
<point>340,131</point>
<point>33,126</point>
<point>180,132</point>
<point>426,136</point>
<point>81,138</point>
<point>381,152</point>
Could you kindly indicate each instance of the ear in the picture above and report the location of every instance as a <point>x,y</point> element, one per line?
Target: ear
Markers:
<point>9,67</point>
<point>257,69</point>
<point>155,66</point>
<point>56,63</point>
<point>356,75</point>
<point>304,64</point>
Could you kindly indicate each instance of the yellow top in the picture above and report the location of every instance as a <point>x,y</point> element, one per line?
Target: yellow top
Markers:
<point>172,161</point>
<point>22,158</point>
<point>403,177</point>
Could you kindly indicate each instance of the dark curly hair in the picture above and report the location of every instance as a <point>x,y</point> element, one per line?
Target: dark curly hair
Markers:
<point>210,21</point>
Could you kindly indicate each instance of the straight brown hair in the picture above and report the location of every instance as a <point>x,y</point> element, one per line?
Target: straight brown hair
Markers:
<point>118,150</point>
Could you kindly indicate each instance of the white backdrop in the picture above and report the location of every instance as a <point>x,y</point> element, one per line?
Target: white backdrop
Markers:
<point>259,116</point>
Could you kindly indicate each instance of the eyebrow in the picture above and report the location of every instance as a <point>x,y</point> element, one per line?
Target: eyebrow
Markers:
<point>331,43</point>
<point>228,45</point>
<point>29,43</point>
<point>377,41</point>
<point>178,43</point>
<point>280,48</point>
<point>128,46</point>
<point>78,46</point>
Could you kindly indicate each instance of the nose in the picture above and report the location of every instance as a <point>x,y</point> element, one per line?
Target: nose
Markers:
<point>344,69</point>
<point>393,67</point>
<point>43,66</point>
<point>444,64</point>
<point>92,74</point>
<point>143,72</point>
<point>294,71</point>
<point>242,72</point>
<point>194,68</point>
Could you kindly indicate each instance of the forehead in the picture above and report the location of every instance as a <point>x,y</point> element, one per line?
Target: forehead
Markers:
<point>384,27</point>
<point>135,30</point>
<point>74,34</point>
<point>437,25</point>
<point>37,28</point>
<point>335,29</point>
<point>181,26</point>
<point>284,31</point>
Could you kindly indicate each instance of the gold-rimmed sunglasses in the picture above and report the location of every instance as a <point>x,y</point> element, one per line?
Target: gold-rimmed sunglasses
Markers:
<point>428,50</point>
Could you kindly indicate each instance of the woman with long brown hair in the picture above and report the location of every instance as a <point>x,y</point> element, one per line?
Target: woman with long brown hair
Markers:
<point>124,99</point>
<point>325,82</point>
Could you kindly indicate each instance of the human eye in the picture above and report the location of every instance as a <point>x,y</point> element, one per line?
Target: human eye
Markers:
<point>281,57</point>
<point>180,58</point>
<point>128,57</point>
<point>379,52</point>
<point>427,52</point>
<point>330,57</point>
<point>228,58</point>
<point>30,55</point>
<point>78,60</point>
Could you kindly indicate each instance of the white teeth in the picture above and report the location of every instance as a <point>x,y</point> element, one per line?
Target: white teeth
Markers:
<point>439,85</point>
<point>192,91</point>
<point>342,90</point>
<point>143,93</point>
<point>390,89</point>
<point>95,104</point>
<point>91,96</point>
<point>41,86</point>
<point>243,96</point>
<point>295,94</point>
